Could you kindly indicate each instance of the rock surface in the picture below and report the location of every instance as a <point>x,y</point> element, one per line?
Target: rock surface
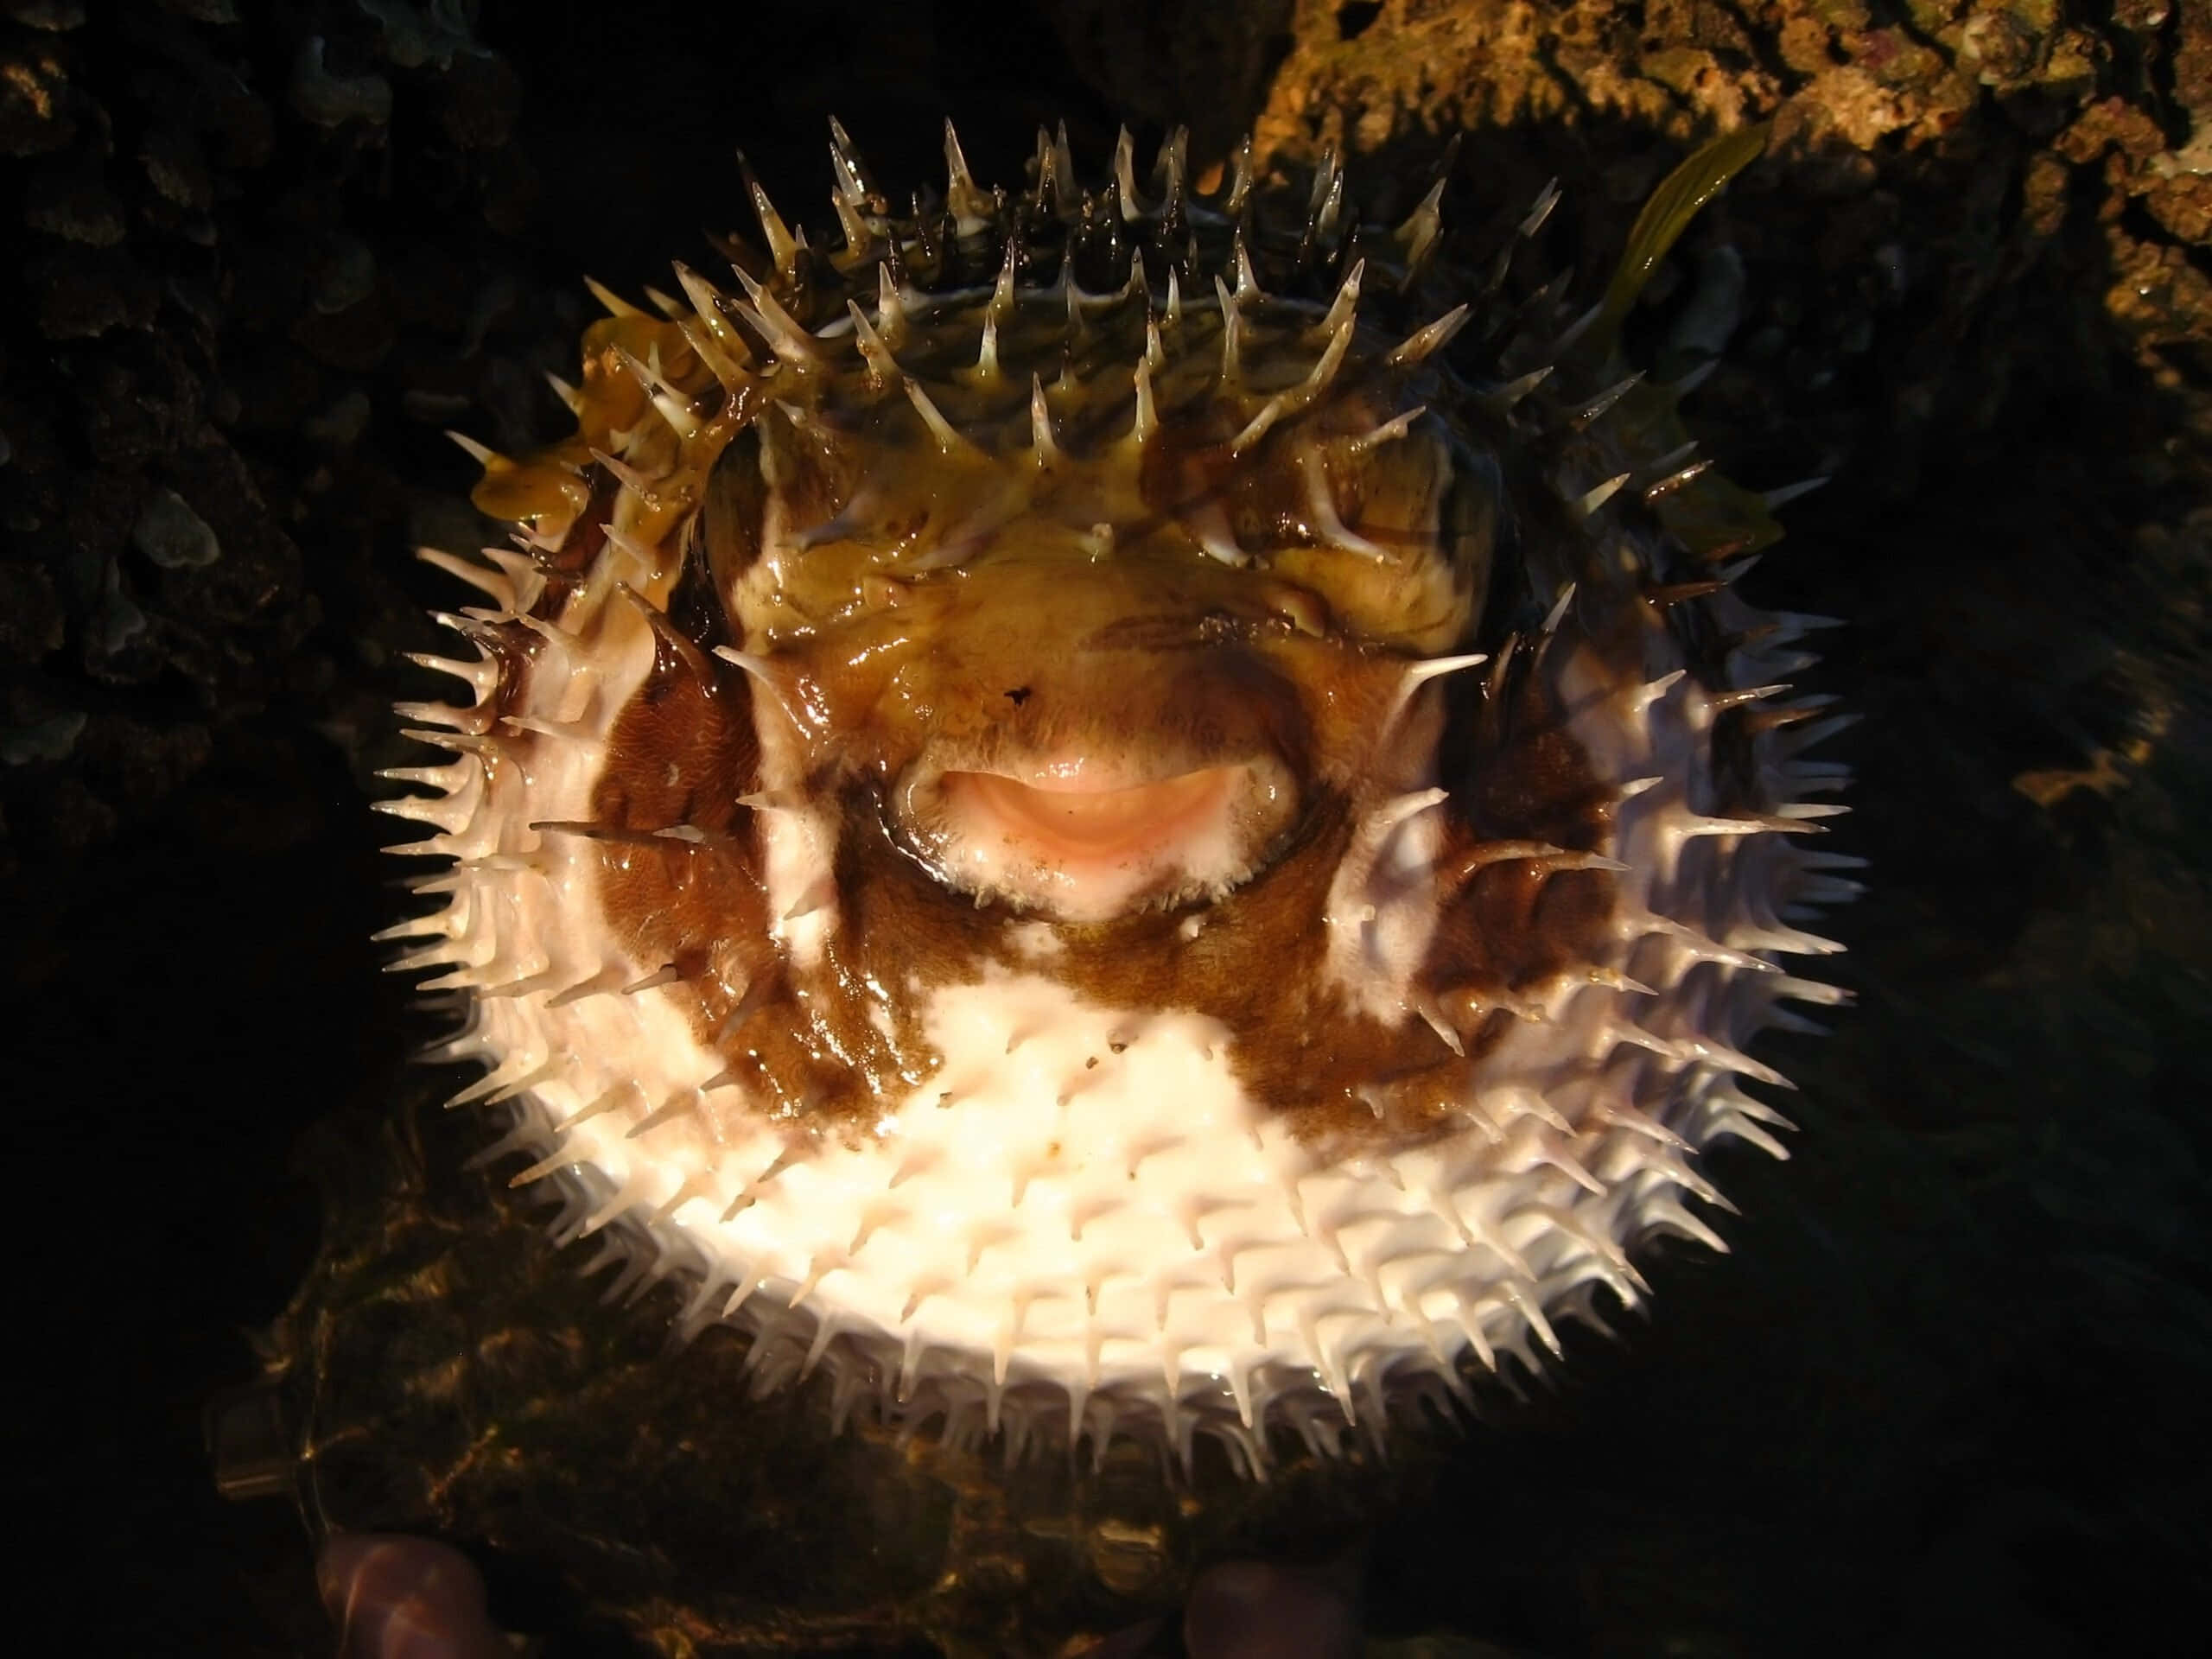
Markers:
<point>1947,1391</point>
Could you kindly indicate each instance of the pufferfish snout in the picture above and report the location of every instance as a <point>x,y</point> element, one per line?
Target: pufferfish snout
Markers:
<point>1080,737</point>
<point>1096,815</point>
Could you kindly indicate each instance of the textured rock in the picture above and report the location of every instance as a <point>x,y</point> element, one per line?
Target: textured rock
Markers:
<point>1947,1395</point>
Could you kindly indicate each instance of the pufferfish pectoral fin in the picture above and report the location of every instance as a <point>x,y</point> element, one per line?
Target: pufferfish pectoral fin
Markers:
<point>1716,519</point>
<point>1679,199</point>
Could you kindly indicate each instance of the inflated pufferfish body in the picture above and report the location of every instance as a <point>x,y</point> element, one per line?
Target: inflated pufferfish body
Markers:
<point>1100,847</point>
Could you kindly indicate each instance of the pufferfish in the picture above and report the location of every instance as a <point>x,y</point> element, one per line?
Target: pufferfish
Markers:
<point>1089,812</point>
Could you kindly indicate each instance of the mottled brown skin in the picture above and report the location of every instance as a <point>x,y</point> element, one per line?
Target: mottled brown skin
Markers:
<point>955,605</point>
<point>1256,965</point>
<point>682,753</point>
<point>1173,655</point>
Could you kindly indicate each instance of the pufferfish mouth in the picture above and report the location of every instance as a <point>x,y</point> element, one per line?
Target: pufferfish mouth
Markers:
<point>1084,840</point>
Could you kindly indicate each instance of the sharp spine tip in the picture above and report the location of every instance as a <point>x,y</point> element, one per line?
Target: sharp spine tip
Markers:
<point>1147,420</point>
<point>883,369</point>
<point>948,436</point>
<point>614,304</point>
<point>1592,500</point>
<point>1041,423</point>
<point>783,247</point>
<point>1346,306</point>
<point>1773,500</point>
<point>1389,432</point>
<point>1232,336</point>
<point>775,325</point>
<point>1248,283</point>
<point>571,399</point>
<point>482,454</point>
<point>1598,407</point>
<point>1425,342</point>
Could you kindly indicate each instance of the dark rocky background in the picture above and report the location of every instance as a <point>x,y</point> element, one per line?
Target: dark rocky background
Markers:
<point>1949,1395</point>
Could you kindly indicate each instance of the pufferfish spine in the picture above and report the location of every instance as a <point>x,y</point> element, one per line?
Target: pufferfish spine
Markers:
<point>1092,815</point>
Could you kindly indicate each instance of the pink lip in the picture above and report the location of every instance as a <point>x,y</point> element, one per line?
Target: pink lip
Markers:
<point>1076,773</point>
<point>1071,814</point>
